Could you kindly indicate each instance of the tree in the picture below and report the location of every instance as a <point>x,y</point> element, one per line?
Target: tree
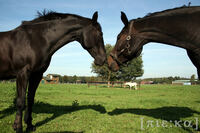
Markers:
<point>65,79</point>
<point>192,78</point>
<point>83,79</point>
<point>74,79</point>
<point>129,71</point>
<point>60,79</point>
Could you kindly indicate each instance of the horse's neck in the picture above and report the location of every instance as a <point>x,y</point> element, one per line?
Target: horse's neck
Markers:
<point>168,33</point>
<point>58,36</point>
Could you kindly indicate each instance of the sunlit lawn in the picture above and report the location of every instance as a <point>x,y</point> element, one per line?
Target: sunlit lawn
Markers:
<point>76,108</point>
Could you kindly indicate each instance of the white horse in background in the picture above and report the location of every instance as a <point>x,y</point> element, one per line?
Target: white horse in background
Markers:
<point>131,84</point>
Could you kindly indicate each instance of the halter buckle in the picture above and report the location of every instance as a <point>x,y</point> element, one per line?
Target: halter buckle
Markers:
<point>128,38</point>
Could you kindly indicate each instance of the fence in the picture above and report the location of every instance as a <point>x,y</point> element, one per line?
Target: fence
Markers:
<point>108,83</point>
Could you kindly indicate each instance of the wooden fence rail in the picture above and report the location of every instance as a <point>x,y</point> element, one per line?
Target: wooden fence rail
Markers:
<point>108,83</point>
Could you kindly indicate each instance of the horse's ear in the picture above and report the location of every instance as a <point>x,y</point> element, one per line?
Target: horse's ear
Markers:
<point>124,18</point>
<point>95,17</point>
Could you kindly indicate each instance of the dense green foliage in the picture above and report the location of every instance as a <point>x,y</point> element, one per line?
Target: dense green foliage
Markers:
<point>76,108</point>
<point>80,79</point>
<point>131,70</point>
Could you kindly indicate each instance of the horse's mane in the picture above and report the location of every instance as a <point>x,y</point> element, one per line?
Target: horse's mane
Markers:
<point>47,15</point>
<point>177,10</point>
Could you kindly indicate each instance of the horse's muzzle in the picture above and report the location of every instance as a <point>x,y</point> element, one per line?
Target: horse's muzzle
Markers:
<point>100,61</point>
<point>112,64</point>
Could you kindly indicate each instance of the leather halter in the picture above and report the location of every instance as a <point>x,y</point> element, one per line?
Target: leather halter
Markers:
<point>128,38</point>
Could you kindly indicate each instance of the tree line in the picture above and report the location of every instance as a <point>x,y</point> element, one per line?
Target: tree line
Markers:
<point>165,80</point>
<point>161,80</point>
<point>85,79</point>
<point>168,80</point>
<point>69,79</point>
<point>78,79</point>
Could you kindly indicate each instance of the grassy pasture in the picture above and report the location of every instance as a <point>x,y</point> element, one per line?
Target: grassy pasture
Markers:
<point>68,108</point>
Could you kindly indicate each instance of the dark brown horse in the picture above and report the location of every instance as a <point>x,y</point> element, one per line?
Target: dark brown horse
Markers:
<point>25,52</point>
<point>178,27</point>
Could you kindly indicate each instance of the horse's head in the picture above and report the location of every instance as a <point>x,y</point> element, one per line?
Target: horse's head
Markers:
<point>92,40</point>
<point>129,45</point>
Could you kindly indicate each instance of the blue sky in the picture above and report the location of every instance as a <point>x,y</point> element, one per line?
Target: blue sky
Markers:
<point>159,60</point>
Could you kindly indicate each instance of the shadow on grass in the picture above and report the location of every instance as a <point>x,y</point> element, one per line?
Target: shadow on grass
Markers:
<point>6,112</point>
<point>64,132</point>
<point>170,114</point>
<point>198,101</point>
<point>56,110</point>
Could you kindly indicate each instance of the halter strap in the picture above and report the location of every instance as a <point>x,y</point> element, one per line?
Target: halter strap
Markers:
<point>131,26</point>
<point>128,38</point>
<point>115,58</point>
<point>129,33</point>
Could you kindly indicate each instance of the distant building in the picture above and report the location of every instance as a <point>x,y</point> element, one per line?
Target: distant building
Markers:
<point>181,82</point>
<point>78,81</point>
<point>51,79</point>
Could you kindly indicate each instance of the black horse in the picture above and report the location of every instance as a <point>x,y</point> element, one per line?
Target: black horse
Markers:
<point>178,27</point>
<point>25,52</point>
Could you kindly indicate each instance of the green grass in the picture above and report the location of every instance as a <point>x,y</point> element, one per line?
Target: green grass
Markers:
<point>76,108</point>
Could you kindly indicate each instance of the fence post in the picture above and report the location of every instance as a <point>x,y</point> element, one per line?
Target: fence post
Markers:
<point>108,83</point>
